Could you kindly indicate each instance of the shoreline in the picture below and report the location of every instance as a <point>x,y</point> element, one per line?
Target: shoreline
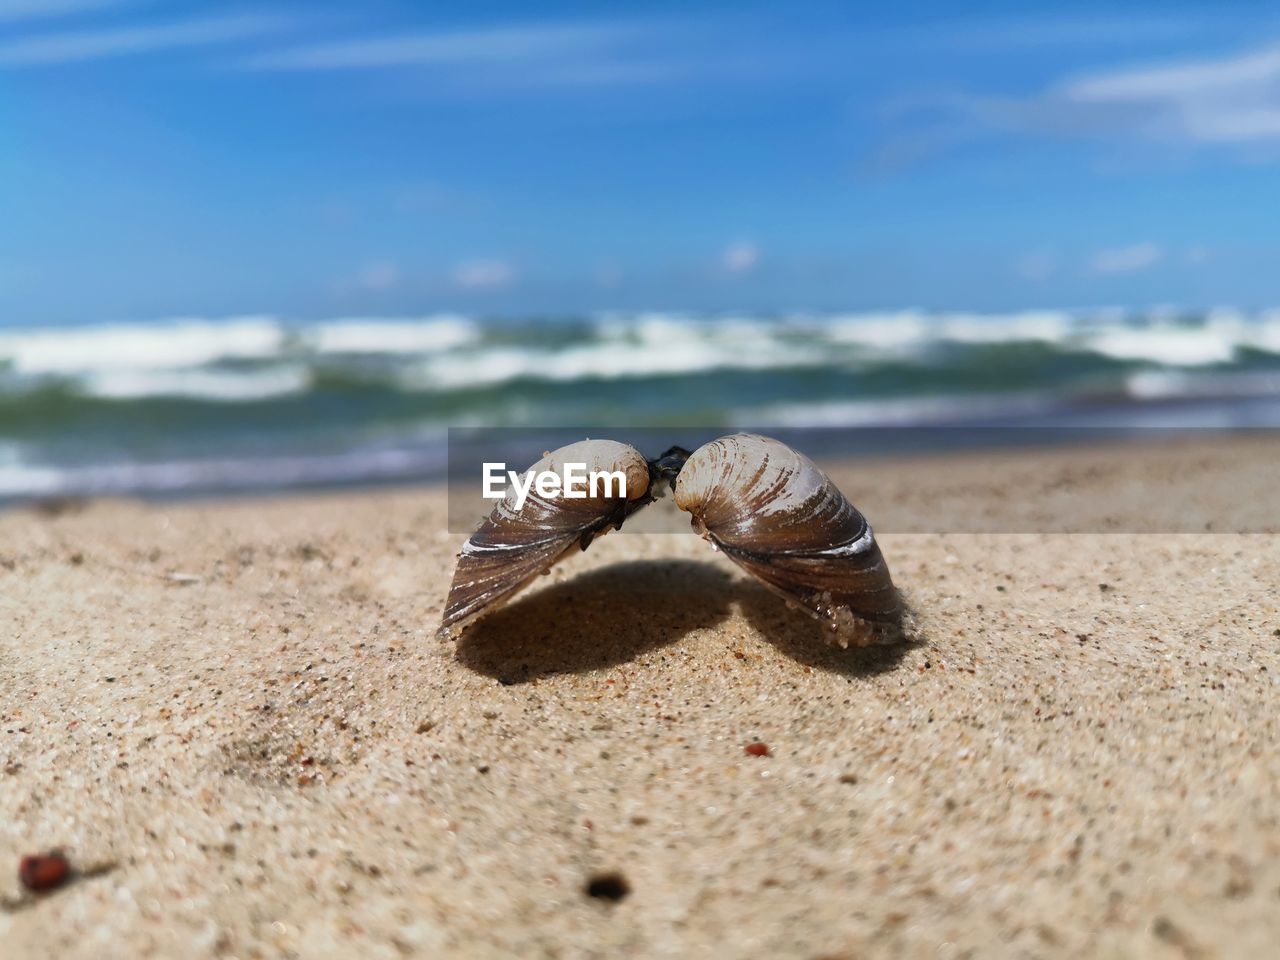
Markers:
<point>385,465</point>
<point>240,706</point>
<point>1081,473</point>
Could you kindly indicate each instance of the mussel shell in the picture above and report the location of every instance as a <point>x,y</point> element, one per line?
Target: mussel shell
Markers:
<point>513,546</point>
<point>779,517</point>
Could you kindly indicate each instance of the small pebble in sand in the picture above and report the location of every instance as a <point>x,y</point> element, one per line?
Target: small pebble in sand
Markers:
<point>757,749</point>
<point>43,872</point>
<point>608,886</point>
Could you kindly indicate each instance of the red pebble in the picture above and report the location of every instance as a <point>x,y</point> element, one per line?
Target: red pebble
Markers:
<point>44,872</point>
<point>757,749</point>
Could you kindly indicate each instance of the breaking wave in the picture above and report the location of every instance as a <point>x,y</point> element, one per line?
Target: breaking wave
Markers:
<point>194,403</point>
<point>451,352</point>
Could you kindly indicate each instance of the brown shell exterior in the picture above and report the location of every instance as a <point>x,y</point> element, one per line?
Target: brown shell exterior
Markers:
<point>512,546</point>
<point>780,518</point>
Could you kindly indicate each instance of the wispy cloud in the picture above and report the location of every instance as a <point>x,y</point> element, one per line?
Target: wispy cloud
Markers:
<point>11,10</point>
<point>1220,100</point>
<point>1226,101</point>
<point>1129,259</point>
<point>1037,265</point>
<point>519,56</point>
<point>498,45</point>
<point>79,46</point>
<point>980,36</point>
<point>740,257</point>
<point>483,274</point>
<point>1186,78</point>
<point>609,276</point>
<point>379,275</point>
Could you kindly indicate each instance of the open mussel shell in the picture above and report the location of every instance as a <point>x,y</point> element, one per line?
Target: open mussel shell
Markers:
<point>780,518</point>
<point>513,546</point>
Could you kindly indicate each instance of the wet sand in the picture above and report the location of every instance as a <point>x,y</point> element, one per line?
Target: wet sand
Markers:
<point>238,722</point>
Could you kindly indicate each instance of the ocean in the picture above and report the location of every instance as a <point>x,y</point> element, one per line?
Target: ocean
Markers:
<point>188,407</point>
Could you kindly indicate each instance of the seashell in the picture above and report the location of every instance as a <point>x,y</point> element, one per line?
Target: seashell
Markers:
<point>766,506</point>
<point>513,546</point>
<point>775,514</point>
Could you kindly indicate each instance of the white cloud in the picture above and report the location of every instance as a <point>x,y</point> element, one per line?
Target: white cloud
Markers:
<point>41,9</point>
<point>1190,77</point>
<point>1129,259</point>
<point>381,275</point>
<point>498,45</point>
<point>609,275</point>
<point>75,47</point>
<point>483,274</point>
<point>1223,100</point>
<point>1231,101</point>
<point>741,257</point>
<point>523,56</point>
<point>1038,265</point>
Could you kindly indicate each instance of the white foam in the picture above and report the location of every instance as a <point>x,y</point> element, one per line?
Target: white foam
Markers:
<point>892,412</point>
<point>451,352</point>
<point>661,350</point>
<point>218,385</point>
<point>908,331</point>
<point>1045,326</point>
<point>24,481</point>
<point>20,478</point>
<point>1172,385</point>
<point>225,474</point>
<point>1156,384</point>
<point>903,330</point>
<point>1260,332</point>
<point>1169,346</point>
<point>174,344</point>
<point>434,334</point>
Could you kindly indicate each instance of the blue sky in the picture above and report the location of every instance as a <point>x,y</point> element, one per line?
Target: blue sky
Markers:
<point>319,158</point>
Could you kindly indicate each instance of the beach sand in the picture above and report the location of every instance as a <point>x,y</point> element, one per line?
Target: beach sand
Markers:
<point>238,722</point>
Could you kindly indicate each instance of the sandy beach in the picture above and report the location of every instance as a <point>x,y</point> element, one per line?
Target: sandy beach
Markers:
<point>236,719</point>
